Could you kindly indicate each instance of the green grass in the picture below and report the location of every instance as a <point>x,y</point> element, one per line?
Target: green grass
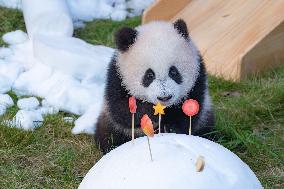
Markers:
<point>251,124</point>
<point>10,20</point>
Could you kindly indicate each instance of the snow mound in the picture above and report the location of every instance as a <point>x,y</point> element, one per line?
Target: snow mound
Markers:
<point>174,157</point>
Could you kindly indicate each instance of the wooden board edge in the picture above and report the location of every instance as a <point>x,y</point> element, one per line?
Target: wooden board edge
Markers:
<point>163,10</point>
<point>266,54</point>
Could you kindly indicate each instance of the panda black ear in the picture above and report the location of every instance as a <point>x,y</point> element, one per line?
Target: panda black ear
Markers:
<point>124,38</point>
<point>181,27</point>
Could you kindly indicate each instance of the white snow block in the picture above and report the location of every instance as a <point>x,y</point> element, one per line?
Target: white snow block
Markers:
<point>118,15</point>
<point>88,10</point>
<point>73,56</point>
<point>173,166</point>
<point>47,17</point>
<point>15,4</point>
<point>30,103</point>
<point>136,7</point>
<point>27,120</point>
<point>15,37</point>
<point>6,100</point>
<point>68,119</point>
<point>5,84</point>
<point>2,109</point>
<point>9,72</point>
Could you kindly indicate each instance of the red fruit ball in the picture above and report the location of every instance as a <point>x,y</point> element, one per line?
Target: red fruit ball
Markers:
<point>190,107</point>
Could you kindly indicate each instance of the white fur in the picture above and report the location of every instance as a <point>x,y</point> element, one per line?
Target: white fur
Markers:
<point>159,46</point>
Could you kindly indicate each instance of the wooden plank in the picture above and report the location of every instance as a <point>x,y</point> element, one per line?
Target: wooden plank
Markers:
<point>225,31</point>
<point>163,10</point>
<point>231,35</point>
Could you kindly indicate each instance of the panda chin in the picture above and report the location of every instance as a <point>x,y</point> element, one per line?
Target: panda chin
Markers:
<point>167,104</point>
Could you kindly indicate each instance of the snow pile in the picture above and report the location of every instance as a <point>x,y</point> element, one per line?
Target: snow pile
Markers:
<point>87,10</point>
<point>72,91</point>
<point>68,73</point>
<point>30,115</point>
<point>174,158</point>
<point>28,103</point>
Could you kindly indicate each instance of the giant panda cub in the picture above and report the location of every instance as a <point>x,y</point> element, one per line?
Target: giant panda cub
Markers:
<point>155,62</point>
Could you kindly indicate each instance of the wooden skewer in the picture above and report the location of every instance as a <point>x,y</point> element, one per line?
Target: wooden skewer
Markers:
<point>133,128</point>
<point>160,123</point>
<point>189,125</point>
<point>150,148</point>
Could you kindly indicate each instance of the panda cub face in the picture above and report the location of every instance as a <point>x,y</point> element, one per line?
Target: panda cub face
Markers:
<point>157,62</point>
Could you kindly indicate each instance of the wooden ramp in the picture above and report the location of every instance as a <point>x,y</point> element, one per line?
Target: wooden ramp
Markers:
<point>235,37</point>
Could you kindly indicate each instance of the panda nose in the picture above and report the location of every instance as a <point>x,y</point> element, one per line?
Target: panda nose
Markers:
<point>164,98</point>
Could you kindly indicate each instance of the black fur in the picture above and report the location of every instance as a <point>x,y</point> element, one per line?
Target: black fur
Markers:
<point>175,75</point>
<point>124,38</point>
<point>148,78</point>
<point>117,115</point>
<point>181,27</point>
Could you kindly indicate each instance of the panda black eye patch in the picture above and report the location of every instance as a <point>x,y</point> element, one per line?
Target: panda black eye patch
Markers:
<point>148,78</point>
<point>175,75</point>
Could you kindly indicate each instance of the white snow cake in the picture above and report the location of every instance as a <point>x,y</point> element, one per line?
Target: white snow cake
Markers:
<point>173,167</point>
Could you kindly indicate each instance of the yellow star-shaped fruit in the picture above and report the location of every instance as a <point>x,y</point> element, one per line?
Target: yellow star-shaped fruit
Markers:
<point>159,109</point>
